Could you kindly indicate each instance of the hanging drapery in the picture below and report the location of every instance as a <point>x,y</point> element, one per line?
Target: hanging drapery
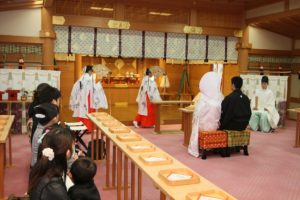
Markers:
<point>61,41</point>
<point>143,44</point>
<point>206,49</point>
<point>196,47</point>
<point>108,42</point>
<point>186,46</point>
<point>69,40</point>
<point>132,42</point>
<point>165,46</point>
<point>120,43</point>
<point>82,40</point>
<point>226,42</point>
<point>216,48</point>
<point>154,44</point>
<point>95,42</point>
<point>176,45</point>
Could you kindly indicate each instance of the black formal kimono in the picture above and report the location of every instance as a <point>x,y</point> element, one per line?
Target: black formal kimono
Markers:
<point>236,111</point>
<point>86,191</point>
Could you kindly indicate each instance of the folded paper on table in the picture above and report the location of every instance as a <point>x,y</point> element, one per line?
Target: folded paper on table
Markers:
<point>154,159</point>
<point>178,177</point>
<point>209,198</point>
<point>119,130</point>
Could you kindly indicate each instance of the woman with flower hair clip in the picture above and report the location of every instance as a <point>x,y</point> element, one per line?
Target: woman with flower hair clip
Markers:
<point>48,175</point>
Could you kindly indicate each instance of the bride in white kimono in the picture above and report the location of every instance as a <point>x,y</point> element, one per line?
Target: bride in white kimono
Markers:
<point>87,96</point>
<point>208,110</point>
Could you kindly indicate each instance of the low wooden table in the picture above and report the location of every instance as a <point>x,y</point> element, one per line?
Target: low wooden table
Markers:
<point>4,137</point>
<point>157,111</point>
<point>118,172</point>
<point>186,125</point>
<point>297,139</point>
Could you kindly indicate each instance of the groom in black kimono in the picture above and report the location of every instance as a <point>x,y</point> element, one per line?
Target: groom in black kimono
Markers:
<point>236,109</point>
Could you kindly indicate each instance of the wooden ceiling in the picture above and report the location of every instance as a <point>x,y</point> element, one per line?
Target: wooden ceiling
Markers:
<point>244,4</point>
<point>19,4</point>
<point>285,23</point>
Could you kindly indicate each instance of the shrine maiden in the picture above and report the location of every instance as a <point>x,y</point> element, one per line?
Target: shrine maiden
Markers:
<point>148,92</point>
<point>87,96</point>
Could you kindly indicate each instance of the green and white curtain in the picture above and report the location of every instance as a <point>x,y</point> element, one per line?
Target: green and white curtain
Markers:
<point>130,43</point>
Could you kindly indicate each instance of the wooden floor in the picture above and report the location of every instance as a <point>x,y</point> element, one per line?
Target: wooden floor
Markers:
<point>169,113</point>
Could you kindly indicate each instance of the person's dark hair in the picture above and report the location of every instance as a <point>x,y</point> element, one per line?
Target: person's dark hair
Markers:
<point>89,68</point>
<point>83,170</point>
<point>60,141</point>
<point>45,112</point>
<point>37,92</point>
<point>265,79</point>
<point>148,72</point>
<point>48,94</point>
<point>237,81</point>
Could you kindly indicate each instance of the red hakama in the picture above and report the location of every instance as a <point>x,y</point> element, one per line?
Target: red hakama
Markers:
<point>87,122</point>
<point>149,120</point>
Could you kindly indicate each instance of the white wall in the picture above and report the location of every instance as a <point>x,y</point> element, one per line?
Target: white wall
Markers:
<point>21,22</point>
<point>263,39</point>
<point>297,44</point>
<point>266,10</point>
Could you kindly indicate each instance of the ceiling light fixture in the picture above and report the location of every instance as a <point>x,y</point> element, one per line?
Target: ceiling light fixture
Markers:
<point>101,9</point>
<point>160,13</point>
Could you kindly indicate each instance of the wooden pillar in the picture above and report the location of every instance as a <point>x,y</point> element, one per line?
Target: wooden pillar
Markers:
<point>243,50</point>
<point>193,17</point>
<point>48,35</point>
<point>78,67</point>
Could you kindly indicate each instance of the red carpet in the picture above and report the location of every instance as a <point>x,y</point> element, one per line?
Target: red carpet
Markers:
<point>271,171</point>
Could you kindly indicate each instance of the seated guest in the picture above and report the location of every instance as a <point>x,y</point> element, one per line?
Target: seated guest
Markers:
<point>44,94</point>
<point>264,117</point>
<point>82,173</point>
<point>32,122</point>
<point>48,175</point>
<point>208,110</point>
<point>236,111</point>
<point>46,115</point>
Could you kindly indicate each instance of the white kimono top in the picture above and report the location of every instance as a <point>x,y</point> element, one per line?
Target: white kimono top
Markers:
<point>266,100</point>
<point>79,96</point>
<point>148,86</point>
